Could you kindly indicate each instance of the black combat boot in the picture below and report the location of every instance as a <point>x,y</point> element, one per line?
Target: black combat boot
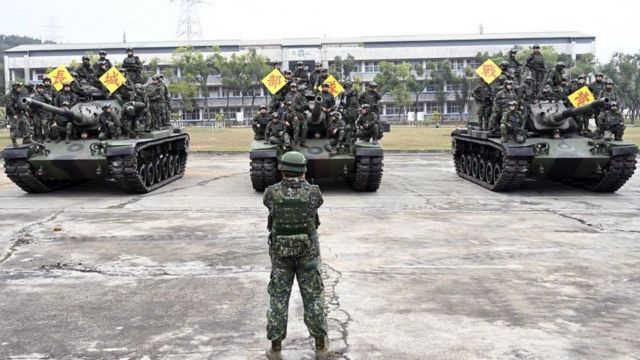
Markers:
<point>322,350</point>
<point>275,351</point>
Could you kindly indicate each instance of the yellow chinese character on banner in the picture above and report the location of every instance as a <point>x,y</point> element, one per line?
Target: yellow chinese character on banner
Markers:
<point>335,88</point>
<point>488,71</point>
<point>582,96</point>
<point>112,79</point>
<point>59,76</point>
<point>274,81</point>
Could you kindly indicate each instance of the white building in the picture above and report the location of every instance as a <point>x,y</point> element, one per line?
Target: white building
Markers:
<point>29,62</point>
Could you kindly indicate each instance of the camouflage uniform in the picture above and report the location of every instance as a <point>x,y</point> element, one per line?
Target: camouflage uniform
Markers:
<point>110,126</point>
<point>42,119</point>
<point>16,114</point>
<point>512,123</point>
<point>295,253</point>
<point>85,71</point>
<point>611,120</point>
<point>336,132</point>
<point>259,123</point>
<point>156,104</point>
<point>502,98</point>
<point>297,119</point>
<point>515,65</point>
<point>535,64</point>
<point>102,59</point>
<point>483,95</point>
<point>63,126</point>
<point>554,80</point>
<point>133,67</point>
<point>277,132</point>
<point>313,77</point>
<point>68,96</point>
<point>167,101</point>
<point>371,97</point>
<point>368,125</point>
<point>300,74</point>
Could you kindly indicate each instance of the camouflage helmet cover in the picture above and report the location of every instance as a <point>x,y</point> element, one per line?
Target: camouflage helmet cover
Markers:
<point>294,162</point>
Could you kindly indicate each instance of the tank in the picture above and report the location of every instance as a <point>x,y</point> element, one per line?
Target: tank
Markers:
<point>360,163</point>
<point>139,165</point>
<point>552,148</point>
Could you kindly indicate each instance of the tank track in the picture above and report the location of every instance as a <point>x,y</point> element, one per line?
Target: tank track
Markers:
<point>368,173</point>
<point>141,177</point>
<point>264,173</point>
<point>619,170</point>
<point>19,171</point>
<point>489,168</point>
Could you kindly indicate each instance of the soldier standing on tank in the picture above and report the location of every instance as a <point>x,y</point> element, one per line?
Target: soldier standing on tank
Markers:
<point>609,92</point>
<point>525,92</point>
<point>63,126</point>
<point>110,126</point>
<point>17,115</point>
<point>277,131</point>
<point>300,75</point>
<point>583,119</point>
<point>367,125</point>
<point>275,64</point>
<point>336,132</point>
<point>507,71</point>
<point>277,99</point>
<point>371,97</point>
<point>42,119</point>
<point>512,123</point>
<point>299,105</point>
<point>313,77</point>
<point>611,120</point>
<point>515,65</point>
<point>66,95</point>
<point>351,106</point>
<point>167,100</point>
<point>260,122</point>
<point>133,67</point>
<point>294,250</point>
<point>102,59</point>
<point>500,101</point>
<point>156,103</point>
<point>143,116</point>
<point>324,75</point>
<point>535,64</point>
<point>598,85</point>
<point>554,79</point>
<point>483,95</point>
<point>85,72</point>
<point>50,90</point>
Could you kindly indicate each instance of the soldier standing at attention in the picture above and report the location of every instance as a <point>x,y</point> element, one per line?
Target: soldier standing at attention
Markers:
<point>483,95</point>
<point>535,63</point>
<point>515,65</point>
<point>313,77</point>
<point>371,97</point>
<point>155,94</point>
<point>133,67</point>
<point>295,253</point>
<point>102,59</point>
<point>17,114</point>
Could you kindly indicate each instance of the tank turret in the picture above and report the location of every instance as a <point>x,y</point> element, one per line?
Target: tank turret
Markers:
<point>552,115</point>
<point>83,115</point>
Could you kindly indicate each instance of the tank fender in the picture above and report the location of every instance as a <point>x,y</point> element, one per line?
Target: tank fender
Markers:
<point>264,154</point>
<point>369,152</point>
<point>621,150</point>
<point>18,153</point>
<point>120,151</point>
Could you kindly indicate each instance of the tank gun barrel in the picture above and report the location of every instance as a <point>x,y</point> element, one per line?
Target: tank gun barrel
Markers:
<point>573,112</point>
<point>317,109</point>
<point>77,118</point>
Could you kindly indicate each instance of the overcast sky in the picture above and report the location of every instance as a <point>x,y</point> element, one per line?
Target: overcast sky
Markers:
<point>615,23</point>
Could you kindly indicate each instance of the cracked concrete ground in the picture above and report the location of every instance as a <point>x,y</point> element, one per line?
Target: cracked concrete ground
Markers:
<point>430,267</point>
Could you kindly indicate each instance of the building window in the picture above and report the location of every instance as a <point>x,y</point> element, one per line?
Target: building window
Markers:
<point>191,115</point>
<point>430,88</point>
<point>473,63</point>
<point>433,107</point>
<point>358,67</point>
<point>453,87</point>
<point>230,113</point>
<point>454,108</point>
<point>415,64</point>
<point>371,66</point>
<point>457,64</point>
<point>394,110</point>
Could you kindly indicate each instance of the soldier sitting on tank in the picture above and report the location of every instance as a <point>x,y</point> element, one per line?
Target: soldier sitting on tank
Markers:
<point>42,119</point>
<point>277,131</point>
<point>62,127</point>
<point>512,124</point>
<point>611,120</point>
<point>102,59</point>
<point>298,126</point>
<point>336,133</point>
<point>328,101</point>
<point>109,126</point>
<point>313,77</point>
<point>67,95</point>
<point>500,102</point>
<point>367,125</point>
<point>260,122</point>
<point>17,116</point>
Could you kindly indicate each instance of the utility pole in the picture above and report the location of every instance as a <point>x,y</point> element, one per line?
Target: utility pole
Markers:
<point>52,29</point>
<point>188,20</point>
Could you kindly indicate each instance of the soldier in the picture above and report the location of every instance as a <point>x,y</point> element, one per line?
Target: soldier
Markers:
<point>609,92</point>
<point>525,92</point>
<point>277,99</point>
<point>277,132</point>
<point>313,77</point>
<point>17,115</point>
<point>156,103</point>
<point>328,101</point>
<point>100,69</point>
<point>565,89</point>
<point>336,132</point>
<point>324,74</point>
<point>85,72</point>
<point>110,126</point>
<point>367,124</point>
<point>275,64</point>
<point>515,65</point>
<point>535,64</point>
<point>371,97</point>
<point>141,105</point>
<point>300,75</point>
<point>598,85</point>
<point>295,253</point>
<point>62,126</point>
<point>554,79</point>
<point>611,120</point>
<point>502,98</point>
<point>298,104</point>
<point>498,84</point>
<point>50,90</point>
<point>42,119</point>
<point>133,67</point>
<point>349,99</point>
<point>260,122</point>
<point>582,120</point>
<point>167,100</point>
<point>512,124</point>
<point>102,59</point>
<point>67,95</point>
<point>483,95</point>
<point>507,70</point>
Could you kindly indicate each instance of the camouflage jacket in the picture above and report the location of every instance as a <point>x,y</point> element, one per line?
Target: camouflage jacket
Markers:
<point>14,106</point>
<point>155,93</point>
<point>67,96</point>
<point>526,93</point>
<point>132,64</point>
<point>596,87</point>
<point>275,129</point>
<point>612,95</point>
<point>370,97</point>
<point>96,66</point>
<point>610,118</point>
<point>86,73</point>
<point>369,119</point>
<point>105,118</point>
<point>292,187</point>
<point>503,97</point>
<point>261,119</point>
<point>350,98</point>
<point>535,62</point>
<point>301,76</point>
<point>483,93</point>
<point>514,64</point>
<point>554,78</point>
<point>336,125</point>
<point>513,119</point>
<point>328,101</point>
<point>298,101</point>
<point>313,79</point>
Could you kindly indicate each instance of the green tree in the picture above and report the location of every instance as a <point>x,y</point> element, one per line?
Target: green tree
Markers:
<point>416,84</point>
<point>440,74</point>
<point>393,79</point>
<point>193,70</point>
<point>624,70</point>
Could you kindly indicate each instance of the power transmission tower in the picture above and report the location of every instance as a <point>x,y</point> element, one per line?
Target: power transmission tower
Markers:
<point>52,29</point>
<point>188,21</point>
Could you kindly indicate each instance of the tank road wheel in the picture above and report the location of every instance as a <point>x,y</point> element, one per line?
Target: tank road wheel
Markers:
<point>463,164</point>
<point>475,164</point>
<point>142,173</point>
<point>489,172</point>
<point>157,168</point>
<point>165,167</point>
<point>468,164</point>
<point>497,172</point>
<point>151,174</point>
<point>264,173</point>
<point>481,169</point>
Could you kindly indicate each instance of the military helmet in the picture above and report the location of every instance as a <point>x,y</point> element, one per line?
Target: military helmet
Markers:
<point>560,64</point>
<point>513,51</point>
<point>536,46</point>
<point>324,70</point>
<point>325,85</point>
<point>348,83</point>
<point>128,49</point>
<point>528,79</point>
<point>365,106</point>
<point>609,82</point>
<point>263,107</point>
<point>66,84</point>
<point>563,78</point>
<point>300,63</point>
<point>613,103</point>
<point>106,106</point>
<point>293,85</point>
<point>46,78</point>
<point>599,74</point>
<point>318,64</point>
<point>287,72</point>
<point>288,102</point>
<point>373,85</point>
<point>138,86</point>
<point>335,114</point>
<point>275,115</point>
<point>130,110</point>
<point>508,82</point>
<point>39,85</point>
<point>154,77</point>
<point>294,162</point>
<point>504,63</point>
<point>582,76</point>
<point>65,103</point>
<point>85,57</point>
<point>102,52</point>
<point>160,76</point>
<point>16,83</point>
<point>512,103</point>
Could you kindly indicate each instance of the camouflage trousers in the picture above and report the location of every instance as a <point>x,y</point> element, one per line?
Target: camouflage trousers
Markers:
<point>19,127</point>
<point>300,129</point>
<point>370,132</point>
<point>280,140</point>
<point>41,123</point>
<point>157,115</point>
<point>307,272</point>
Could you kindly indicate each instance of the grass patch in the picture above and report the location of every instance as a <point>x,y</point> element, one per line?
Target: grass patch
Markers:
<point>400,138</point>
